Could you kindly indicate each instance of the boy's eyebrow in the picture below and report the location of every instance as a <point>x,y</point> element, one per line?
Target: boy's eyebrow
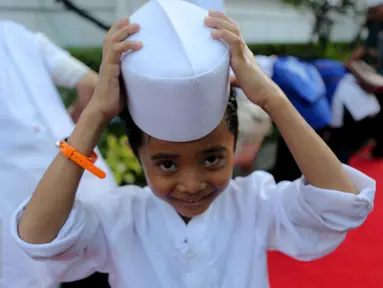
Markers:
<point>218,148</point>
<point>160,156</point>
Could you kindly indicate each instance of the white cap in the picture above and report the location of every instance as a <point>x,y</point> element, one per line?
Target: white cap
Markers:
<point>177,84</point>
<point>374,3</point>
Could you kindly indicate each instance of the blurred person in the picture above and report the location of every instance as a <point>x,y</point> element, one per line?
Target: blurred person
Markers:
<point>32,117</point>
<point>353,108</point>
<point>371,52</point>
<point>330,99</point>
<point>368,51</point>
<point>303,85</point>
<point>254,125</point>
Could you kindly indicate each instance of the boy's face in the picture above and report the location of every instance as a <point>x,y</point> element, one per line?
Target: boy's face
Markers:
<point>189,176</point>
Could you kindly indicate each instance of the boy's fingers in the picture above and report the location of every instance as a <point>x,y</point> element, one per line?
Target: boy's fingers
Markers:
<point>124,32</point>
<point>228,36</point>
<point>221,24</point>
<point>119,24</point>
<point>115,27</point>
<point>223,16</point>
<point>114,54</point>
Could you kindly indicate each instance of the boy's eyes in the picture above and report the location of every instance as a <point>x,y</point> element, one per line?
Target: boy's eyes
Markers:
<point>168,166</point>
<point>210,162</point>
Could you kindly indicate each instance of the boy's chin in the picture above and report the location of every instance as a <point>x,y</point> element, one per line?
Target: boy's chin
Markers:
<point>193,209</point>
<point>191,213</point>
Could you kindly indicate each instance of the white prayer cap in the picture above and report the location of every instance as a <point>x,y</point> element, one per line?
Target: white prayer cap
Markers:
<point>374,3</point>
<point>177,84</point>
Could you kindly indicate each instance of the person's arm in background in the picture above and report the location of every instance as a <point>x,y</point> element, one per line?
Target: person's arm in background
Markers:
<point>356,55</point>
<point>67,72</point>
<point>374,15</point>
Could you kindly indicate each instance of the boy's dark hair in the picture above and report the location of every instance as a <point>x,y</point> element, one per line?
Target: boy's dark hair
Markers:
<point>135,134</point>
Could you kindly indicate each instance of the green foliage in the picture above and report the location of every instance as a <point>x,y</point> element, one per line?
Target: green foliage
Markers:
<point>68,96</point>
<point>121,160</point>
<point>90,56</point>
<point>335,51</point>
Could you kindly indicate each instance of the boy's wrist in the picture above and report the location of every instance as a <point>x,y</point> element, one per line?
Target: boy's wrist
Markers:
<point>274,102</point>
<point>88,130</point>
<point>94,112</point>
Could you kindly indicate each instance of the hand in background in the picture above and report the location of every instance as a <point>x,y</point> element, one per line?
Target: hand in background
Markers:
<point>84,88</point>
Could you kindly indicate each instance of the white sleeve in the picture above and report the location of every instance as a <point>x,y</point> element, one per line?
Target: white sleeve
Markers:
<point>79,250</point>
<point>306,222</point>
<point>66,71</point>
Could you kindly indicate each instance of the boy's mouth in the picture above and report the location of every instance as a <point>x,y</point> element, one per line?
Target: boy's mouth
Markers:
<point>196,200</point>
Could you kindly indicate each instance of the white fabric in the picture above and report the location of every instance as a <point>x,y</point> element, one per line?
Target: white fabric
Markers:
<point>179,79</point>
<point>66,71</point>
<point>32,119</point>
<point>142,242</point>
<point>357,101</point>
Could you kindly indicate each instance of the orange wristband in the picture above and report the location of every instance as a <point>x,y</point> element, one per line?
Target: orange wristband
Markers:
<point>85,162</point>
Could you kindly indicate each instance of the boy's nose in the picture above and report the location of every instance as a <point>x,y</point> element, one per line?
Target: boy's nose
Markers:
<point>192,183</point>
<point>190,187</point>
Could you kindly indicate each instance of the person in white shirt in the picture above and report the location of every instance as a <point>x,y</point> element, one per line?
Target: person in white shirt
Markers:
<point>193,226</point>
<point>32,116</point>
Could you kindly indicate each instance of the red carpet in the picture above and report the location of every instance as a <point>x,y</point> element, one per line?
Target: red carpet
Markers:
<point>357,263</point>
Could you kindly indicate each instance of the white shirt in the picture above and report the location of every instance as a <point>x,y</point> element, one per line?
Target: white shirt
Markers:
<point>141,241</point>
<point>358,102</point>
<point>32,119</point>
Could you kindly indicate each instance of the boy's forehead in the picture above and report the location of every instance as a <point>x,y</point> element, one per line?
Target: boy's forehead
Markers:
<point>218,136</point>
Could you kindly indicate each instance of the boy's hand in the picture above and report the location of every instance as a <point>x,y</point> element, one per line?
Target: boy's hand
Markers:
<point>259,88</point>
<point>107,98</point>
